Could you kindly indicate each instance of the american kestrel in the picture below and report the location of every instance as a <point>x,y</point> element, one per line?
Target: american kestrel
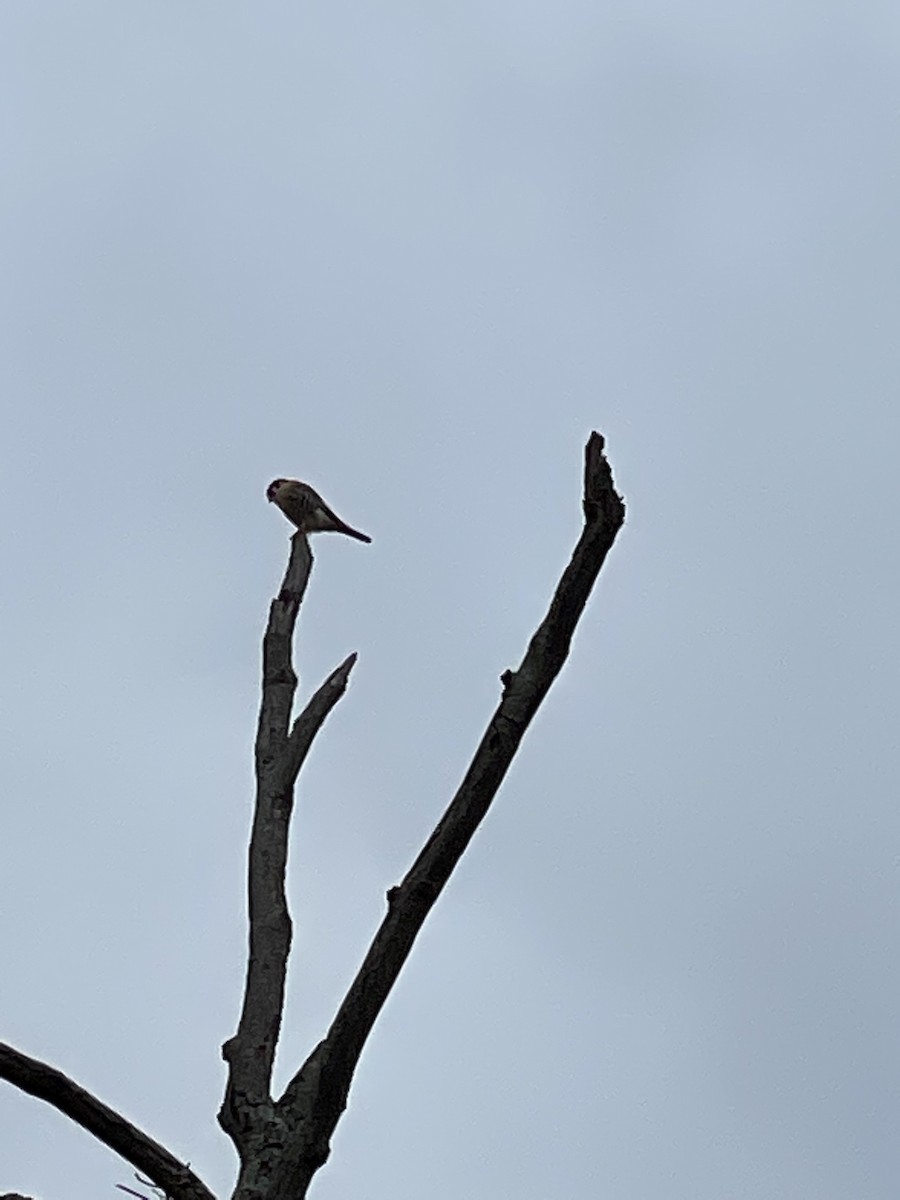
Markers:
<point>302,505</point>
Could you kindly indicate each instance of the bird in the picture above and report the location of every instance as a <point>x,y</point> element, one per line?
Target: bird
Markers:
<point>303,506</point>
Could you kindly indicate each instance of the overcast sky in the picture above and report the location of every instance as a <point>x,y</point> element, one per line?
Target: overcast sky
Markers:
<point>414,253</point>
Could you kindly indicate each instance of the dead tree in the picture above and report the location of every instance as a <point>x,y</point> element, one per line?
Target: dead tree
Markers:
<point>282,1142</point>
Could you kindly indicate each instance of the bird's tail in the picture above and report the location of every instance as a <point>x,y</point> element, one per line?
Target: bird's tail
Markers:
<point>354,533</point>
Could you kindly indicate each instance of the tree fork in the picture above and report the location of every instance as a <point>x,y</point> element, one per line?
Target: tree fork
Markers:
<point>283,1142</point>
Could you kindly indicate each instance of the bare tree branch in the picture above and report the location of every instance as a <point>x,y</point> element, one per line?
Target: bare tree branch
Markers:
<point>317,1095</point>
<point>176,1179</point>
<point>247,1111</point>
<point>309,722</point>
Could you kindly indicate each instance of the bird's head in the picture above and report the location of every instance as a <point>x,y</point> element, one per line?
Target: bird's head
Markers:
<point>274,487</point>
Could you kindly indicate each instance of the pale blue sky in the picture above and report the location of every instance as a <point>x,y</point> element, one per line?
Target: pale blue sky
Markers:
<point>414,254</point>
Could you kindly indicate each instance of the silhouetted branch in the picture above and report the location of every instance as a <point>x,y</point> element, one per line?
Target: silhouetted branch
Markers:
<point>247,1111</point>
<point>176,1179</point>
<point>317,1095</point>
<point>309,722</point>
<point>282,1144</point>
